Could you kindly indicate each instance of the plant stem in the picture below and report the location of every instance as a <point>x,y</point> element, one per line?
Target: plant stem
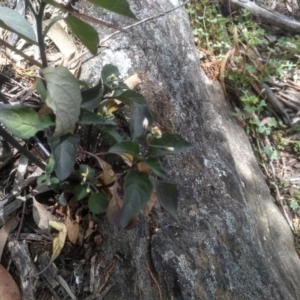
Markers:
<point>31,7</point>
<point>39,29</point>
<point>11,140</point>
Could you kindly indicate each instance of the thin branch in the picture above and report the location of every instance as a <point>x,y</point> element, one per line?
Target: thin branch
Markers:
<point>11,140</point>
<point>155,281</point>
<point>127,27</point>
<point>31,7</point>
<point>91,19</point>
<point>39,28</point>
<point>145,20</point>
<point>30,59</point>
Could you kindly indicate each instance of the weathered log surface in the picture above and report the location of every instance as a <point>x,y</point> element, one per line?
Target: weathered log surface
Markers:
<point>271,17</point>
<point>233,242</point>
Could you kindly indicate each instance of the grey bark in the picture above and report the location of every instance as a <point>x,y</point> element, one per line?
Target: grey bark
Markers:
<point>233,242</point>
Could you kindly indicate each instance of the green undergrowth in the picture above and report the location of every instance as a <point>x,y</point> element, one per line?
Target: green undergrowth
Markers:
<point>252,56</point>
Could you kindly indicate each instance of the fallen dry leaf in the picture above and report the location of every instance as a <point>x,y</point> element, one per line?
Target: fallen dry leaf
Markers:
<point>128,158</point>
<point>58,242</point>
<point>90,229</point>
<point>149,205</point>
<point>8,288</point>
<point>108,175</point>
<point>133,81</point>
<point>72,229</point>
<point>143,168</point>
<point>41,215</point>
<point>4,231</point>
<point>113,210</point>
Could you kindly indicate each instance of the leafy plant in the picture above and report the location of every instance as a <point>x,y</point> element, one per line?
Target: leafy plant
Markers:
<point>297,147</point>
<point>99,186</point>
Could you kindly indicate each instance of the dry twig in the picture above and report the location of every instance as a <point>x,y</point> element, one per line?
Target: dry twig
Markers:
<point>155,281</point>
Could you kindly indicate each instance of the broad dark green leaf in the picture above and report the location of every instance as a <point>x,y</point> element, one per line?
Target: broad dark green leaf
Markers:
<point>64,98</point>
<point>118,6</point>
<point>13,21</point>
<point>87,117</point>
<point>86,33</point>
<point>22,121</point>
<point>138,114</point>
<point>128,147</point>
<point>114,134</point>
<point>167,194</point>
<point>137,191</point>
<point>130,96</point>
<point>64,151</point>
<point>97,203</point>
<point>154,164</point>
<point>109,73</point>
<point>91,97</point>
<point>81,191</point>
<point>168,144</point>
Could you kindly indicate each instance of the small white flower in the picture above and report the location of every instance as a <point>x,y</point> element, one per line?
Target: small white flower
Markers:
<point>155,131</point>
<point>170,148</point>
<point>145,123</point>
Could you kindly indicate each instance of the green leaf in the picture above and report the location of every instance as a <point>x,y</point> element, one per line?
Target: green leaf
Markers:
<point>92,97</point>
<point>154,164</point>
<point>97,203</point>
<point>114,134</point>
<point>50,165</point>
<point>40,87</point>
<point>109,74</point>
<point>128,147</point>
<point>168,144</point>
<point>130,96</point>
<point>167,194</point>
<point>118,6</point>
<point>64,98</point>
<point>85,84</point>
<point>294,205</point>
<point>137,191</point>
<point>81,191</point>
<point>54,184</point>
<point>87,35</point>
<point>138,114</point>
<point>87,117</point>
<point>64,151</point>
<point>22,121</point>
<point>48,120</point>
<point>44,178</point>
<point>13,21</point>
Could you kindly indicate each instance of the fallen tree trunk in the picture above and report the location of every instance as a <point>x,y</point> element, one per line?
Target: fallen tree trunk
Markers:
<point>233,242</point>
<point>271,17</point>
